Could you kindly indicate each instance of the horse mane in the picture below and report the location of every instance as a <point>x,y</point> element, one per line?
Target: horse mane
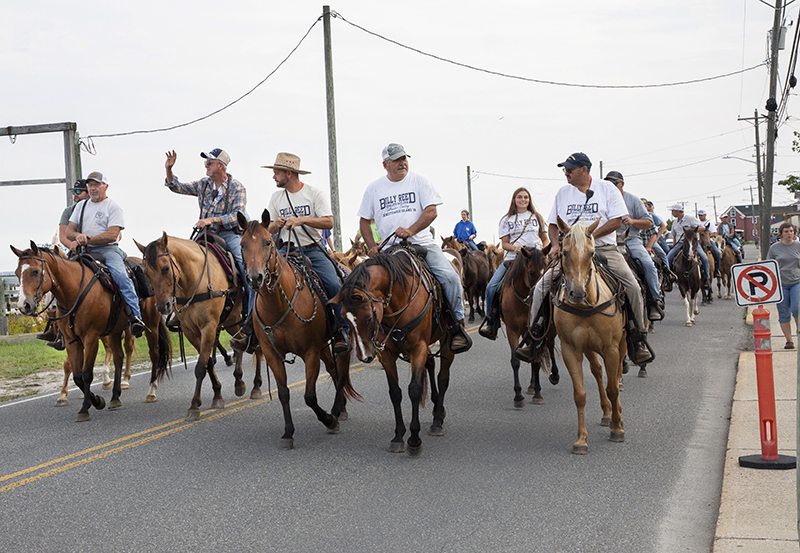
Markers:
<point>398,266</point>
<point>578,234</point>
<point>517,269</point>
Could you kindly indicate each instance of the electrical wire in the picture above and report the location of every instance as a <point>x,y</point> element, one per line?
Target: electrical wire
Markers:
<point>542,81</point>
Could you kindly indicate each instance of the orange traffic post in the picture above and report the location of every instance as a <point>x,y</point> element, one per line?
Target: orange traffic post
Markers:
<point>769,458</point>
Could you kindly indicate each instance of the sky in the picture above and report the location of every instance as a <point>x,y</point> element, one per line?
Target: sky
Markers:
<point>115,68</point>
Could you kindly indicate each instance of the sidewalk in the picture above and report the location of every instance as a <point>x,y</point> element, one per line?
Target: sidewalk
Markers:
<point>758,511</point>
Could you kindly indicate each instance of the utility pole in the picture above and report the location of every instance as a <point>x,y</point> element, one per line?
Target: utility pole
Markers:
<point>772,107</point>
<point>469,194</point>
<point>333,171</point>
<point>752,207</point>
<point>714,199</point>
<point>760,181</point>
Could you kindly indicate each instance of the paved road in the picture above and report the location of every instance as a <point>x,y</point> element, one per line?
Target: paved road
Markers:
<point>501,479</point>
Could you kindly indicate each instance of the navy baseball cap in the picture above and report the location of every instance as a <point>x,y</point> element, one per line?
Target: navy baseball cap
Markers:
<point>614,175</point>
<point>578,159</point>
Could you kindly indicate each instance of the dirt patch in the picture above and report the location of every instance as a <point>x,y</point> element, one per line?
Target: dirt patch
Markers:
<point>43,382</point>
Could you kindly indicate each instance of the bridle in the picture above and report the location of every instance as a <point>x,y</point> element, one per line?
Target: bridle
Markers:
<point>38,296</point>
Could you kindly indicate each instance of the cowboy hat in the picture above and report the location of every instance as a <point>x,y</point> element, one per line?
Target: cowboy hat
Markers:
<point>287,162</point>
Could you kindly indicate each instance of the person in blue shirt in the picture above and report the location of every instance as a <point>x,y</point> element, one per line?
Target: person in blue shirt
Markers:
<point>465,231</point>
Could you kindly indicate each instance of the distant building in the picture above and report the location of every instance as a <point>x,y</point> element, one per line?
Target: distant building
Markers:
<point>745,218</point>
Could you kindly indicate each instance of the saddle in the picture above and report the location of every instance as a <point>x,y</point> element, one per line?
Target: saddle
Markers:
<point>96,262</point>
<point>216,244</point>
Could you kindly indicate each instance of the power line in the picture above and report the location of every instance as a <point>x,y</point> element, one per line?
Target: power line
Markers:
<point>542,81</point>
<point>90,137</point>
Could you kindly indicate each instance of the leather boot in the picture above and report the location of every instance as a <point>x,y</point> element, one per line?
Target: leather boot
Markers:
<point>341,344</point>
<point>50,332</point>
<point>641,353</point>
<point>460,340</point>
<point>527,348</point>
<point>244,341</point>
<point>57,343</point>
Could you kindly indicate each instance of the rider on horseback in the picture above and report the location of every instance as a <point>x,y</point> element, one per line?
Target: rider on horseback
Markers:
<point>724,230</point>
<point>465,231</point>
<point>403,205</point>
<point>712,231</point>
<point>590,200</point>
<point>681,223</point>
<point>297,214</point>
<point>95,225</point>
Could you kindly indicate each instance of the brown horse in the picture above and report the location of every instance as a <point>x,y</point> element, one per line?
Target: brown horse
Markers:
<point>475,276</point>
<point>289,317</point>
<point>394,307</point>
<point>525,271</point>
<point>688,269</point>
<point>727,260</point>
<point>495,254</point>
<point>87,311</point>
<point>589,322</point>
<point>189,281</point>
<point>704,237</point>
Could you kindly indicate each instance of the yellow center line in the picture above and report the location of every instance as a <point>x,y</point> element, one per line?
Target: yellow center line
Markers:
<point>149,436</point>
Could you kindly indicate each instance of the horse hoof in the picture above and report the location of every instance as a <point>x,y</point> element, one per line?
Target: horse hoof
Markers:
<point>255,393</point>
<point>519,403</point>
<point>688,323</point>
<point>99,403</point>
<point>107,385</point>
<point>125,385</point>
<point>151,398</point>
<point>193,415</point>
<point>343,416</point>
<point>115,404</point>
<point>554,379</point>
<point>414,451</point>
<point>436,430</point>
<point>83,417</point>
<point>642,373</point>
<point>606,421</point>
<point>617,436</point>
<point>580,449</point>
<point>334,429</point>
<point>239,389</point>
<point>218,404</point>
<point>229,362</point>
<point>62,403</point>
<point>397,447</point>
<point>537,400</point>
<point>287,443</point>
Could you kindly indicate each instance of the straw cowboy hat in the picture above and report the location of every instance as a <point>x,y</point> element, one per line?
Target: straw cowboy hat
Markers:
<point>287,162</point>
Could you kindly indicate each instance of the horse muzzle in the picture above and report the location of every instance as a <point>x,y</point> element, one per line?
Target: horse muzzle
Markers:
<point>26,306</point>
<point>166,307</point>
<point>255,282</point>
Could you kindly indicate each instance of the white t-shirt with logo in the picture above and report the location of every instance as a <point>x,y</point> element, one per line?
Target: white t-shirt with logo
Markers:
<point>399,204</point>
<point>605,204</point>
<point>98,217</point>
<point>308,202</point>
<point>522,229</point>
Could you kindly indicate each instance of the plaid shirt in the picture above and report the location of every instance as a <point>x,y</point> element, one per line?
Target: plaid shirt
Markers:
<point>647,233</point>
<point>213,204</point>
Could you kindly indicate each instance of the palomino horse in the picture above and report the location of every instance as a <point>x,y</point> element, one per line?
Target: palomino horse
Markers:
<point>495,255</point>
<point>394,308</point>
<point>190,281</point>
<point>93,312</point>
<point>687,268</point>
<point>289,317</point>
<point>525,270</point>
<point>476,274</point>
<point>589,322</point>
<point>727,260</point>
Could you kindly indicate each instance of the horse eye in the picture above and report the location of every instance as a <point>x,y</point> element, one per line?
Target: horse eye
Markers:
<point>35,272</point>
<point>165,269</point>
<point>265,243</point>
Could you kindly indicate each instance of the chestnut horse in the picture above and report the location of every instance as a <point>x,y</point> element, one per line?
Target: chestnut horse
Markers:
<point>85,315</point>
<point>688,267</point>
<point>727,260</point>
<point>589,322</point>
<point>525,270</point>
<point>289,317</point>
<point>190,281</point>
<point>394,307</point>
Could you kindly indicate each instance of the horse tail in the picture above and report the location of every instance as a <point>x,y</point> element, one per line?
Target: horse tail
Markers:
<point>164,364</point>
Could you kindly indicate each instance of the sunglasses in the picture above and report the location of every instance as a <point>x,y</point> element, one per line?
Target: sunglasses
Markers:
<point>210,162</point>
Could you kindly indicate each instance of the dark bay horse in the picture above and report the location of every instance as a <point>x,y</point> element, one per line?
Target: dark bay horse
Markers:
<point>688,267</point>
<point>704,237</point>
<point>727,260</point>
<point>589,322</point>
<point>189,281</point>
<point>289,317</point>
<point>393,306</point>
<point>525,271</point>
<point>476,274</point>
<point>86,312</point>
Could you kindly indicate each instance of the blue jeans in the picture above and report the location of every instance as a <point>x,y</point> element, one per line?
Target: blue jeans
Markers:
<point>663,243</point>
<point>116,266</point>
<point>494,282</point>
<point>447,276</point>
<point>703,258</point>
<point>327,274</point>
<point>715,253</point>
<point>788,307</point>
<point>660,253</point>
<point>234,244</point>
<point>639,252</point>
<point>469,243</point>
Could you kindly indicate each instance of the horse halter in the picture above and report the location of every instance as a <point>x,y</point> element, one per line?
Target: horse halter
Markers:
<point>175,284</point>
<point>38,296</point>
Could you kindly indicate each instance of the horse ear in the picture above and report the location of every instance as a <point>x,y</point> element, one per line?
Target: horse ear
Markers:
<point>525,252</point>
<point>335,300</point>
<point>265,220</point>
<point>164,240</point>
<point>241,219</point>
<point>592,227</point>
<point>562,226</point>
<point>138,245</point>
<point>17,252</point>
<point>34,248</point>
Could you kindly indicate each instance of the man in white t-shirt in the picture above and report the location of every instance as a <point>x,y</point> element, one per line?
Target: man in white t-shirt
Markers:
<point>95,225</point>
<point>587,200</point>
<point>298,213</point>
<point>403,204</point>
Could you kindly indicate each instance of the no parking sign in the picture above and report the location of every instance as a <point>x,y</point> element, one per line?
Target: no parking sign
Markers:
<point>757,283</point>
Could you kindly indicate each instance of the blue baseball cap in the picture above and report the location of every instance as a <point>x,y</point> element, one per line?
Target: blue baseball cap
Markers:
<point>578,159</point>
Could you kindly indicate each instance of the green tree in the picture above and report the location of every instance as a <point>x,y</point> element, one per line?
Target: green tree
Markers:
<point>792,182</point>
